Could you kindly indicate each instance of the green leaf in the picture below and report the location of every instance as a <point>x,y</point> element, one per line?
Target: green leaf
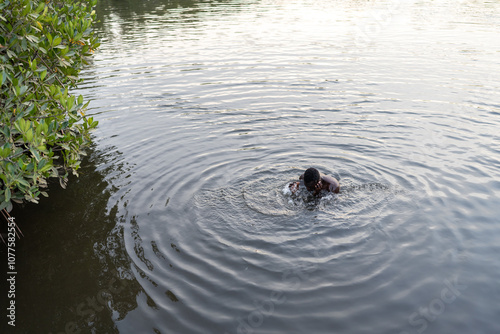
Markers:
<point>7,194</point>
<point>23,90</point>
<point>4,77</point>
<point>29,135</point>
<point>19,125</point>
<point>40,7</point>
<point>42,163</point>
<point>56,41</point>
<point>4,205</point>
<point>35,154</point>
<point>39,129</point>
<point>71,102</point>
<point>23,182</point>
<point>32,39</point>
<point>4,152</point>
<point>25,125</point>
<point>11,54</point>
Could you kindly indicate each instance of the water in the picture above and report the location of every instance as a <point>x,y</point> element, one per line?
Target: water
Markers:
<point>181,221</point>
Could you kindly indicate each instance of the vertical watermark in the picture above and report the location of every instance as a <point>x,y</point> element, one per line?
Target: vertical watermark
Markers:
<point>11,271</point>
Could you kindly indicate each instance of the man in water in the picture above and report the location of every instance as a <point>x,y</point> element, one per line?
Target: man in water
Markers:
<point>315,181</point>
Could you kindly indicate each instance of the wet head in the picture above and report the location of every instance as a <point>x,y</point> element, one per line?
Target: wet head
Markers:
<point>312,179</point>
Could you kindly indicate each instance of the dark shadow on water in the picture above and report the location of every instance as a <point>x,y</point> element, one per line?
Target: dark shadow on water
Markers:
<point>72,272</point>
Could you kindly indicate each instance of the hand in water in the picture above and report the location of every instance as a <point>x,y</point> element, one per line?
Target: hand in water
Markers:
<point>294,186</point>
<point>318,187</point>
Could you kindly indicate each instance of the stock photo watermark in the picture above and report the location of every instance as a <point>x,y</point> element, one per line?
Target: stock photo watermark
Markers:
<point>421,318</point>
<point>11,271</point>
<point>379,20</point>
<point>264,309</point>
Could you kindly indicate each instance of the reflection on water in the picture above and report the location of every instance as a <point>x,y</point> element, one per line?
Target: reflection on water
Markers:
<point>208,109</point>
<point>71,263</point>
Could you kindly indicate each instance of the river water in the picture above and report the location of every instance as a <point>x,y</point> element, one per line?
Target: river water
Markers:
<point>181,221</point>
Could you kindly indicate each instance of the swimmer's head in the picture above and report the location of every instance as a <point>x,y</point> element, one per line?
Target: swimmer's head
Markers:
<point>311,178</point>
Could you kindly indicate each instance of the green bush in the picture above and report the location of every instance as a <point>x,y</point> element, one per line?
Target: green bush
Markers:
<point>43,128</point>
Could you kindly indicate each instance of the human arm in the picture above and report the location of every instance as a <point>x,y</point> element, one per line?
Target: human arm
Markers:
<point>333,184</point>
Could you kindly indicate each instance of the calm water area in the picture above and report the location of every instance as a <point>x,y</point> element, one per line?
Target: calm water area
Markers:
<point>181,221</point>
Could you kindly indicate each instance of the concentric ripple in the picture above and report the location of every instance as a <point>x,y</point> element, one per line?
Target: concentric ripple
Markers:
<point>220,107</point>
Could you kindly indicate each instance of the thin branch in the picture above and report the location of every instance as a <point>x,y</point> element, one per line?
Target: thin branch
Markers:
<point>14,156</point>
<point>6,215</point>
<point>47,66</point>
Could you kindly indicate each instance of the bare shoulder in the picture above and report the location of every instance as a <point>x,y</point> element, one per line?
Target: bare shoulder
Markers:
<point>334,184</point>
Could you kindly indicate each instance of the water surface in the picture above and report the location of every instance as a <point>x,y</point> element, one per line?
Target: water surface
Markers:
<point>181,222</point>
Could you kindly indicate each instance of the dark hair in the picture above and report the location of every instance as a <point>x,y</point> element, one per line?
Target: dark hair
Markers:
<point>311,176</point>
